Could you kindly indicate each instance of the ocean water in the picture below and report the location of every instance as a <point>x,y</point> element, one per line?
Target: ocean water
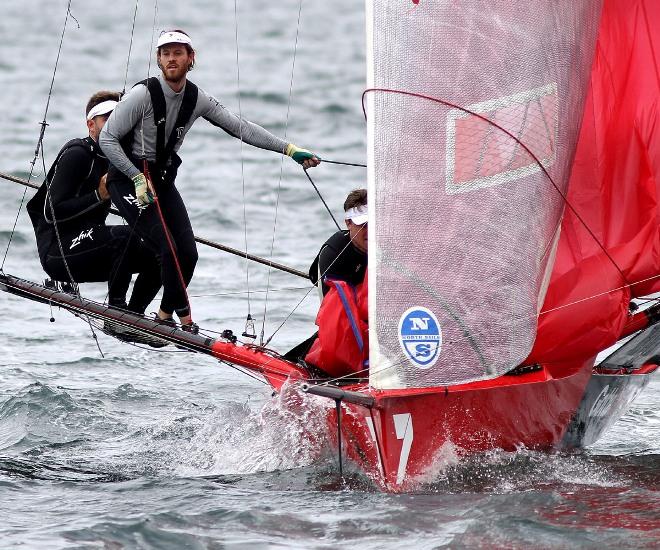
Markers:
<point>131,448</point>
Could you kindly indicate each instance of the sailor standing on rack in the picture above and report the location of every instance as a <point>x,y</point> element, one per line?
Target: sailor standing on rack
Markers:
<point>141,140</point>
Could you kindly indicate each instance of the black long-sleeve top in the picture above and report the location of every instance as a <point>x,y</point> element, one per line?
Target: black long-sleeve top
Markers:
<point>74,180</point>
<point>339,259</point>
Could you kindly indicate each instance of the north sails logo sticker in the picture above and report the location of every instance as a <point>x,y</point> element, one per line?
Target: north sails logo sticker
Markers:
<point>420,336</point>
<point>83,235</point>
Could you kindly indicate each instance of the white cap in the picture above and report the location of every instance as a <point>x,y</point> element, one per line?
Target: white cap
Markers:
<point>102,108</point>
<point>358,214</point>
<point>173,37</point>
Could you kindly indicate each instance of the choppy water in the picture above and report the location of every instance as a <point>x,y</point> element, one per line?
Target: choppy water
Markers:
<point>142,449</point>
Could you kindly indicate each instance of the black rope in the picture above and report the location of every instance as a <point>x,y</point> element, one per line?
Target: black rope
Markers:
<point>343,163</point>
<point>320,197</point>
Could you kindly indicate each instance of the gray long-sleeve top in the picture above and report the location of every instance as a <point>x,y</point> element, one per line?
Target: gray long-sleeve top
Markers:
<point>135,113</point>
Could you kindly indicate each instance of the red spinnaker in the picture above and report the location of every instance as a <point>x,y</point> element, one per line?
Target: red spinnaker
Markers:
<point>615,188</point>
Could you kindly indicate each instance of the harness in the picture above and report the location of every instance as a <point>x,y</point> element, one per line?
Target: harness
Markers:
<point>36,206</point>
<point>166,159</point>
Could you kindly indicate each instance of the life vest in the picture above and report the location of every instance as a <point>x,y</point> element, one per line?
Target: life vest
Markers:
<point>342,347</point>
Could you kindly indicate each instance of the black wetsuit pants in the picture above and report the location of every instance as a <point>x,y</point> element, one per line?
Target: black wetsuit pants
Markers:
<point>98,253</point>
<point>148,225</point>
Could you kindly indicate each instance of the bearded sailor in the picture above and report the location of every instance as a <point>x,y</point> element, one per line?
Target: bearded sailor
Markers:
<point>141,140</point>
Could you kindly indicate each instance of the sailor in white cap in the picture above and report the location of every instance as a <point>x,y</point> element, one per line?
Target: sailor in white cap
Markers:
<point>141,140</point>
<point>69,212</point>
<point>344,255</point>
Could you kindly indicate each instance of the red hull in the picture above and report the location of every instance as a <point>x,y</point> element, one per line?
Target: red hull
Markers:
<point>398,438</point>
<point>412,427</point>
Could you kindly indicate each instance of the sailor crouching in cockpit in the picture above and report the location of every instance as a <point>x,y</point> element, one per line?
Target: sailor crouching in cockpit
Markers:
<point>341,346</point>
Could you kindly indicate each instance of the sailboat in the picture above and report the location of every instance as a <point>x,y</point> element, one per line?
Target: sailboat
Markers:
<point>514,189</point>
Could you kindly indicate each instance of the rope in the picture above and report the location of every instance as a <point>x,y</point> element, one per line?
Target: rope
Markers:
<point>343,163</point>
<point>168,237</point>
<point>240,293</point>
<point>320,197</point>
<point>154,24</point>
<point>39,150</point>
<point>404,360</point>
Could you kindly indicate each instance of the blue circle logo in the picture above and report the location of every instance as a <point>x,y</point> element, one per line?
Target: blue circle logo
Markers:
<point>420,336</point>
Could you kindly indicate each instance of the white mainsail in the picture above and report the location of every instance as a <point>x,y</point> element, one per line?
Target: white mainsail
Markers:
<point>464,218</point>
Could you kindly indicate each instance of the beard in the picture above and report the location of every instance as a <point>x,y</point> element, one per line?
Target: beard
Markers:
<point>174,75</point>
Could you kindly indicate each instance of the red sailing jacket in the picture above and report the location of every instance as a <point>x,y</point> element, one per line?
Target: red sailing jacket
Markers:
<point>343,344</point>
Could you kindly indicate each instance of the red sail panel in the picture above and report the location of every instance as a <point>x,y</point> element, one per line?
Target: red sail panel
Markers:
<point>615,189</point>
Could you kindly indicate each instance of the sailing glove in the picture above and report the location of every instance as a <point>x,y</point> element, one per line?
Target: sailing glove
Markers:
<point>142,192</point>
<point>298,154</point>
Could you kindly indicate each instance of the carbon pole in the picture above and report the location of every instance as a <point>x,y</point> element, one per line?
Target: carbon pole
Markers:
<point>200,240</point>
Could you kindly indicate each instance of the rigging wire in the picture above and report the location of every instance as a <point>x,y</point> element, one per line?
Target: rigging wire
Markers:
<point>245,223</point>
<point>242,292</point>
<point>154,24</point>
<point>130,47</point>
<point>279,183</point>
<point>39,146</point>
<point>39,150</point>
